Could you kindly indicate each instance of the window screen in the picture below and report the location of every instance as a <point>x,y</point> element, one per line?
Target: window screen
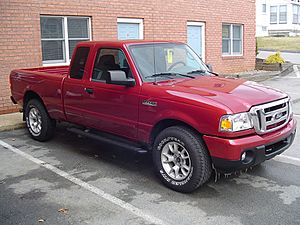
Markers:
<point>226,39</point>
<point>283,14</point>
<point>264,8</point>
<point>52,38</point>
<point>273,14</point>
<point>78,65</point>
<point>296,14</point>
<point>237,39</point>
<point>77,32</point>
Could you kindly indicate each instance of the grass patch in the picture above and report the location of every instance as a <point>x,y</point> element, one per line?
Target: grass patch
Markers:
<point>279,43</point>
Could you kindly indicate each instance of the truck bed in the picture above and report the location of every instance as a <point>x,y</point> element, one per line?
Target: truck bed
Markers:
<point>57,70</point>
<point>46,81</point>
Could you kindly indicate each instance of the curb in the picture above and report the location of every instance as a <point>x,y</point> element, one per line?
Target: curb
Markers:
<point>11,121</point>
<point>287,69</point>
<point>274,50</point>
<point>12,127</point>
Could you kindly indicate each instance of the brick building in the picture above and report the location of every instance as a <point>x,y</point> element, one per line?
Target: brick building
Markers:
<point>35,33</point>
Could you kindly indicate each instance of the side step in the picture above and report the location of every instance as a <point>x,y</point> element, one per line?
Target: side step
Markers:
<point>110,139</point>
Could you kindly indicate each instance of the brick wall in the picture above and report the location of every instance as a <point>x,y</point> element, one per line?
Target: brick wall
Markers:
<point>20,44</point>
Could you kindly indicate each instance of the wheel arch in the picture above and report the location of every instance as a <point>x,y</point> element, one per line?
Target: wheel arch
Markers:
<point>165,123</point>
<point>28,96</point>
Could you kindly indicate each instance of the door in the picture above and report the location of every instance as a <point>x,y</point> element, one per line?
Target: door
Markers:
<point>127,31</point>
<point>195,37</point>
<point>109,107</point>
<point>74,87</point>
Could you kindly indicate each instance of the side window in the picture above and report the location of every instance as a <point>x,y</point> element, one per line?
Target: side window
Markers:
<point>78,64</point>
<point>109,59</point>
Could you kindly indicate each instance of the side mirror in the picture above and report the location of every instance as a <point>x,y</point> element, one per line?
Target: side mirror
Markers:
<point>209,66</point>
<point>118,77</point>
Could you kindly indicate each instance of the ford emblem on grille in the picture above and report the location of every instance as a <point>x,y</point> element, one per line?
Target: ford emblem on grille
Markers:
<point>278,116</point>
<point>270,116</point>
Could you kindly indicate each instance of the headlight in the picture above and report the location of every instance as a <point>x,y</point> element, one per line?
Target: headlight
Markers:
<point>235,122</point>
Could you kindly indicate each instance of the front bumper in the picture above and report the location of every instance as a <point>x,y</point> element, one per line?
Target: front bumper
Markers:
<point>226,154</point>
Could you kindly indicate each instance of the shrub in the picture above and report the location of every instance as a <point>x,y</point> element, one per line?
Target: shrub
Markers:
<point>276,58</point>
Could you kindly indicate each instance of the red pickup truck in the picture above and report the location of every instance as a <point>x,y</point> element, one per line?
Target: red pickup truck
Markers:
<point>160,97</point>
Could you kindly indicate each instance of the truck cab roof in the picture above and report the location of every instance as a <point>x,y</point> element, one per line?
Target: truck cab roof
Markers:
<point>121,43</point>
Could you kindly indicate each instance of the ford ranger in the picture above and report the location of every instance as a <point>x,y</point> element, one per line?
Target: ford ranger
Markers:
<point>160,97</point>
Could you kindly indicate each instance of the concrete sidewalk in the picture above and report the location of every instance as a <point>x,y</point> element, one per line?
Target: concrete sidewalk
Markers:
<point>11,121</point>
<point>261,75</point>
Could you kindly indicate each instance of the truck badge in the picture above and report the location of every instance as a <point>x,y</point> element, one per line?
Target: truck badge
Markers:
<point>149,103</point>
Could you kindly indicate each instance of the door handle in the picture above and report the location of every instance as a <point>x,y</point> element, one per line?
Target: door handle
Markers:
<point>89,90</point>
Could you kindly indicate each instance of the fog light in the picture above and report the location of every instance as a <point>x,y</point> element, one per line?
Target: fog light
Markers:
<point>243,157</point>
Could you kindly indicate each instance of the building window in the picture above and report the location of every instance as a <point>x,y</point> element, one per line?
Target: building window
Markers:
<point>60,35</point>
<point>232,39</point>
<point>296,14</point>
<point>273,14</point>
<point>264,8</point>
<point>130,29</point>
<point>283,14</point>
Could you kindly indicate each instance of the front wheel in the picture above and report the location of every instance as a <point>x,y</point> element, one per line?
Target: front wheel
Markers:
<point>39,124</point>
<point>181,159</point>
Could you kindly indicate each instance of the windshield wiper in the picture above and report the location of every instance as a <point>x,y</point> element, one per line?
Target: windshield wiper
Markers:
<point>170,74</point>
<point>202,71</point>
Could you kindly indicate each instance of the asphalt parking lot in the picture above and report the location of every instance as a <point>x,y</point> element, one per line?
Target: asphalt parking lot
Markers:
<point>75,180</point>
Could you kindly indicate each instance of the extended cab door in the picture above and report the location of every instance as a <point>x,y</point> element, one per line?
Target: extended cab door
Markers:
<point>74,87</point>
<point>109,107</point>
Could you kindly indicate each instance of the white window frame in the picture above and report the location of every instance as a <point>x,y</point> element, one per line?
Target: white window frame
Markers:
<point>200,24</point>
<point>298,14</point>
<point>297,7</point>
<point>286,15</point>
<point>140,22</point>
<point>294,6</point>
<point>66,40</point>
<point>277,9</point>
<point>231,53</point>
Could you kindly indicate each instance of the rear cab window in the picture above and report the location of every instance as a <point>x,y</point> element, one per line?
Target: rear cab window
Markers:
<point>79,62</point>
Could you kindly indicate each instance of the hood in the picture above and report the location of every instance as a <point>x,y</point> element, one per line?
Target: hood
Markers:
<point>237,94</point>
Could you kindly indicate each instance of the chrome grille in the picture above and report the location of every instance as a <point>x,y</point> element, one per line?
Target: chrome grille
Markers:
<point>270,116</point>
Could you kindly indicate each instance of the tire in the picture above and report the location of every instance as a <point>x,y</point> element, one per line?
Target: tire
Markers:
<point>186,168</point>
<point>40,126</point>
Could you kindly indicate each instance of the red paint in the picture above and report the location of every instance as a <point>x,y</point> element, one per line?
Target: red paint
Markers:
<point>119,110</point>
<point>231,148</point>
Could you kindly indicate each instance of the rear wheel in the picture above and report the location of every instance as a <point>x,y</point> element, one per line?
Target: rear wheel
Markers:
<point>181,159</point>
<point>40,126</point>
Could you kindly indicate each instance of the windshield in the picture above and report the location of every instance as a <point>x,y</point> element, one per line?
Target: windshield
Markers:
<point>166,59</point>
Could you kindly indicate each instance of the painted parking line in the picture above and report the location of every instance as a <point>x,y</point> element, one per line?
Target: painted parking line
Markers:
<point>288,159</point>
<point>293,93</point>
<point>114,200</point>
<point>296,70</point>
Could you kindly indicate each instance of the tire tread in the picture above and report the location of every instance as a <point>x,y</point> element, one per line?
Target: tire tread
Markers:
<point>202,156</point>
